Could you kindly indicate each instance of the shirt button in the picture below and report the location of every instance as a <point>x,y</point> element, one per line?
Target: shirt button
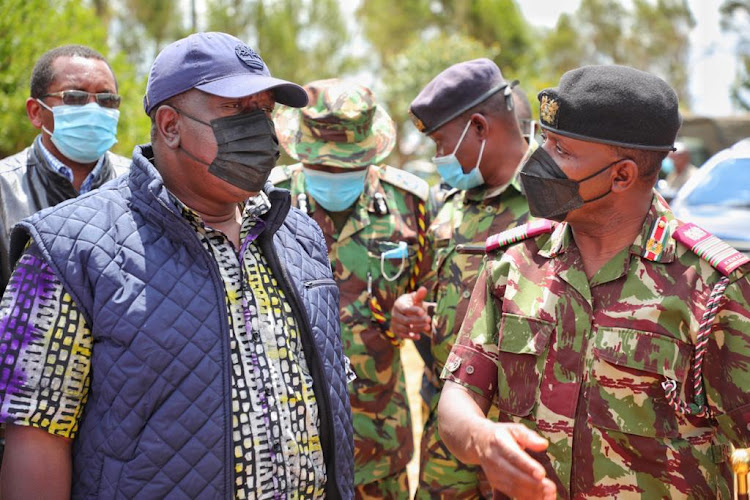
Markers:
<point>489,209</point>
<point>466,294</point>
<point>469,369</point>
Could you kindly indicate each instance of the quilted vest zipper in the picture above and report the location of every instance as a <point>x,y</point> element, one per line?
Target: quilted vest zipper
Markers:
<point>322,396</point>
<point>213,268</point>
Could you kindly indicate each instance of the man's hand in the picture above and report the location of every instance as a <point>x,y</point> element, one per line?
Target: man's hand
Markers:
<point>497,447</point>
<point>500,449</point>
<point>409,316</point>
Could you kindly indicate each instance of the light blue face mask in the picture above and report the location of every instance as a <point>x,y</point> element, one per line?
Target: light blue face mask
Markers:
<point>452,172</point>
<point>83,133</point>
<point>335,192</point>
<point>667,165</point>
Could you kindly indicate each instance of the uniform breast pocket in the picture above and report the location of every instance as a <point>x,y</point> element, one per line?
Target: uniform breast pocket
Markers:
<point>628,369</point>
<point>521,348</point>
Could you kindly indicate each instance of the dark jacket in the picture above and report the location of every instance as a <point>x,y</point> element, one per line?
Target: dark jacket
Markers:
<point>158,421</point>
<point>28,184</point>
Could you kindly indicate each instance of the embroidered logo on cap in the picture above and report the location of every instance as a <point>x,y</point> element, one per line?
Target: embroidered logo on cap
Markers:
<point>248,56</point>
<point>548,111</point>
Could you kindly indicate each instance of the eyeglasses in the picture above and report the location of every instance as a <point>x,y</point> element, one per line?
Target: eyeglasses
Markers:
<point>80,97</point>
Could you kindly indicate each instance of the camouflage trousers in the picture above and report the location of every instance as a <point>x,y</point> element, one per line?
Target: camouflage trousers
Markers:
<point>395,487</point>
<point>443,476</point>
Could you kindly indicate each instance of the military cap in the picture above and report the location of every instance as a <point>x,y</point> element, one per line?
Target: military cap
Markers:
<point>342,126</point>
<point>456,90</point>
<point>614,105</point>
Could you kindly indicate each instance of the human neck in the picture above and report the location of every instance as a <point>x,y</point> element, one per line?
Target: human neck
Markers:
<point>504,165</point>
<point>227,221</point>
<point>80,170</point>
<point>224,217</point>
<point>601,239</point>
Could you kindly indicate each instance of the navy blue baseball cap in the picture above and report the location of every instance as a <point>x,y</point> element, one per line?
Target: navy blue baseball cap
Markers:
<point>218,64</point>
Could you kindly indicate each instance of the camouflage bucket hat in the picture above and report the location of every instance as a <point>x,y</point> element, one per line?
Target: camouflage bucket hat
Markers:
<point>342,126</point>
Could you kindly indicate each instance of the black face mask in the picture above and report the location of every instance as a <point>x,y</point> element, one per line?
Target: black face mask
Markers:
<point>551,194</point>
<point>248,149</point>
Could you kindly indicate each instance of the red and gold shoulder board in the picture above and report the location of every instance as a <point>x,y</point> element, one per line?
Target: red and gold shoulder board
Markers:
<point>708,247</point>
<point>528,230</point>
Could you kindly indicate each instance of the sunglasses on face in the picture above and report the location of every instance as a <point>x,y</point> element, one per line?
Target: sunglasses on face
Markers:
<point>80,98</point>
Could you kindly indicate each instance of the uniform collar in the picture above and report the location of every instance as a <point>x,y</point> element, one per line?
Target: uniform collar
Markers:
<point>654,243</point>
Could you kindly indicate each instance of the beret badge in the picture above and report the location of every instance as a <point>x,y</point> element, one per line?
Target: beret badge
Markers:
<point>249,57</point>
<point>417,122</point>
<point>548,111</point>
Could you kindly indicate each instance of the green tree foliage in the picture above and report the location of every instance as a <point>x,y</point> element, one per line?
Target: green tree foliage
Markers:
<point>393,25</point>
<point>735,18</point>
<point>30,28</point>
<point>300,40</point>
<point>652,35</point>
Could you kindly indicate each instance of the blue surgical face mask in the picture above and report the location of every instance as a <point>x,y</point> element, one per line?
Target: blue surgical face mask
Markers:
<point>452,172</point>
<point>83,133</point>
<point>667,165</point>
<point>335,192</point>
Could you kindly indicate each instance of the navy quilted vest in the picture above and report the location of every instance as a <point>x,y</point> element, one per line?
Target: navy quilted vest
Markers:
<point>157,423</point>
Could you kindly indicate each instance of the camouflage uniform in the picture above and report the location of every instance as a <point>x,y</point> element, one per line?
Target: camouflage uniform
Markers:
<point>384,215</point>
<point>466,217</point>
<point>583,362</point>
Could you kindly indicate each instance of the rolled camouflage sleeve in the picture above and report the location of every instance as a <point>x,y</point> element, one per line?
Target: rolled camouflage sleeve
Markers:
<point>727,364</point>
<point>473,359</point>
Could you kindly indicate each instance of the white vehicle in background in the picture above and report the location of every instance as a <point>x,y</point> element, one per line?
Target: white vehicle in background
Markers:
<point>717,196</point>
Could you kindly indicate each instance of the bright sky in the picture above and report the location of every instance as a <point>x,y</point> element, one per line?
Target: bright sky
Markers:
<point>713,64</point>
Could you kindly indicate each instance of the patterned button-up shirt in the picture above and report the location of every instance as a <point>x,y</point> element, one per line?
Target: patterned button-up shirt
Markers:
<point>275,420</point>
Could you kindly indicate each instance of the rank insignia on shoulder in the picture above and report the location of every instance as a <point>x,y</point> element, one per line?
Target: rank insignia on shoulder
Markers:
<point>528,230</point>
<point>708,247</point>
<point>657,239</point>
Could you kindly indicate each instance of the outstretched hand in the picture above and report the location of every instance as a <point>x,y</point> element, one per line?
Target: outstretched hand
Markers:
<point>501,450</point>
<point>409,316</point>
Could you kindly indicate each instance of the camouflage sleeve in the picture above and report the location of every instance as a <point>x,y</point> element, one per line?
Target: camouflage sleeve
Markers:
<point>473,359</point>
<point>727,365</point>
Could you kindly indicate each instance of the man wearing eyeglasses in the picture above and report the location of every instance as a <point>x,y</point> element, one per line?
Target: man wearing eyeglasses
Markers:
<point>74,103</point>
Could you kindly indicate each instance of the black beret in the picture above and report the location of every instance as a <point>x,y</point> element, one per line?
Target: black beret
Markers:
<point>614,105</point>
<point>455,90</point>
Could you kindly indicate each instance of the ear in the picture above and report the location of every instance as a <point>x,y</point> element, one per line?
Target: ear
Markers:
<point>480,123</point>
<point>168,125</point>
<point>34,111</point>
<point>624,175</point>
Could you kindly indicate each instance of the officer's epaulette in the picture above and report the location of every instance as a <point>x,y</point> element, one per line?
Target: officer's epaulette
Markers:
<point>519,233</point>
<point>282,173</point>
<point>722,256</point>
<point>405,180</point>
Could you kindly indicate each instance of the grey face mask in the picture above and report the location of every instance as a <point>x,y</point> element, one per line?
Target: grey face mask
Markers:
<point>247,149</point>
<point>551,194</point>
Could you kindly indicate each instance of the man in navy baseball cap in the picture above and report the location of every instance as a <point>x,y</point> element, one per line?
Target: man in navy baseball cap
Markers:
<point>217,370</point>
<point>218,64</point>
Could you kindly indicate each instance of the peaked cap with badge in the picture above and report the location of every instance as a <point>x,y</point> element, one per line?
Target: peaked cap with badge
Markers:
<point>342,126</point>
<point>218,64</point>
<point>456,90</point>
<point>612,104</point>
